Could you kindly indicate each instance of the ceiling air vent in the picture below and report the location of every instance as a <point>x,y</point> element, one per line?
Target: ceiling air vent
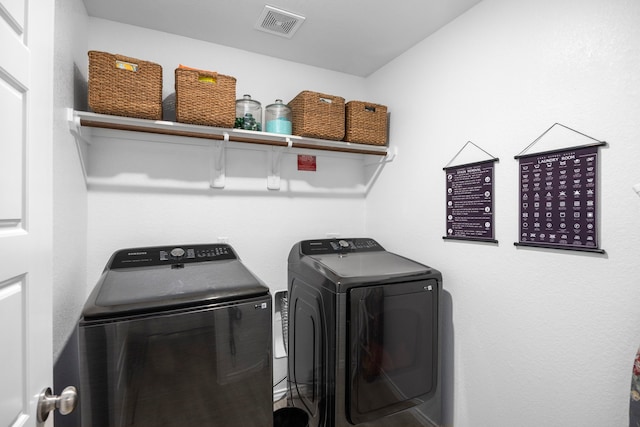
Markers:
<point>279,22</point>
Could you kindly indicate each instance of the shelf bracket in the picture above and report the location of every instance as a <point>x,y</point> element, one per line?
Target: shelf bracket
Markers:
<point>75,127</point>
<point>373,170</point>
<point>217,177</point>
<point>275,162</point>
<point>392,152</point>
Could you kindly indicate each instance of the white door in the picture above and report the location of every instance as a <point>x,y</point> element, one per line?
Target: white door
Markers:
<point>26,87</point>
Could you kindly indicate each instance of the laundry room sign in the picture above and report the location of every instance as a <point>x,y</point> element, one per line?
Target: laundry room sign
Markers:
<point>559,194</point>
<point>558,199</point>
<point>470,202</point>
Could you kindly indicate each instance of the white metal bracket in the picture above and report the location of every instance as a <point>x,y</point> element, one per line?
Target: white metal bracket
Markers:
<point>375,171</point>
<point>81,142</point>
<point>275,160</point>
<point>275,165</point>
<point>392,152</point>
<point>217,177</point>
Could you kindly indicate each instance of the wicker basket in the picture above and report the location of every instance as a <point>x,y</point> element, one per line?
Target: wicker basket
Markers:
<point>124,86</point>
<point>317,115</point>
<point>365,123</point>
<point>205,98</point>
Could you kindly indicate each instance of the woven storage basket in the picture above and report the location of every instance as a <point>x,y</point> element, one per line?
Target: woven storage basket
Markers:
<point>317,115</point>
<point>205,98</point>
<point>365,123</point>
<point>124,86</point>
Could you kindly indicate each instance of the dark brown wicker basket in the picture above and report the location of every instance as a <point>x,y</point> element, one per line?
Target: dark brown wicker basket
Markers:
<point>205,98</point>
<point>124,86</point>
<point>317,115</point>
<point>365,123</point>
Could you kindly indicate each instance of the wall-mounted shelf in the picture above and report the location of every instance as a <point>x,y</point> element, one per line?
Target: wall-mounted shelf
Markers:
<point>217,138</point>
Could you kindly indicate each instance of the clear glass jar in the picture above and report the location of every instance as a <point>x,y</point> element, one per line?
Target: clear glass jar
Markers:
<point>278,118</point>
<point>248,114</point>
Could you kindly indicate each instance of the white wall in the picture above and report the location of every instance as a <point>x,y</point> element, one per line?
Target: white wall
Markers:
<point>70,194</point>
<point>143,194</point>
<point>329,200</point>
<point>541,337</point>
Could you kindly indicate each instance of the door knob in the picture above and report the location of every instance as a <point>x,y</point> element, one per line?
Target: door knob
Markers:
<point>48,402</point>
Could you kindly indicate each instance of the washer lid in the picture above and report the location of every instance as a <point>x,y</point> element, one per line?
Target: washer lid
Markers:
<point>151,279</point>
<point>353,261</point>
<point>367,266</point>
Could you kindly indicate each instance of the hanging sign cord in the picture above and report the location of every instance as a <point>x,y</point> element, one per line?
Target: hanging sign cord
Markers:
<point>495,159</point>
<point>521,154</point>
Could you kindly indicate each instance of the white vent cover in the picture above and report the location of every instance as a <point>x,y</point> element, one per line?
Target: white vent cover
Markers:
<point>279,22</point>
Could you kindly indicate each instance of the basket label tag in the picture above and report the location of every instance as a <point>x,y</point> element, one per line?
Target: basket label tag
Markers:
<point>129,66</point>
<point>207,79</point>
<point>326,100</point>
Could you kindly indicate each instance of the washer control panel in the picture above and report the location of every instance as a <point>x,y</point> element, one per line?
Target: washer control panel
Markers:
<point>339,246</point>
<point>169,255</point>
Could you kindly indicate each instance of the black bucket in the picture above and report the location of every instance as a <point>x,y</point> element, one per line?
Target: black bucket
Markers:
<point>290,417</point>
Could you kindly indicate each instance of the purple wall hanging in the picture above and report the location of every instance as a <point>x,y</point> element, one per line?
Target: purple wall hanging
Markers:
<point>470,200</point>
<point>559,195</point>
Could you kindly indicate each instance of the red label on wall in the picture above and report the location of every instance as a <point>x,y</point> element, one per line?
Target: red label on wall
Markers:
<point>306,163</point>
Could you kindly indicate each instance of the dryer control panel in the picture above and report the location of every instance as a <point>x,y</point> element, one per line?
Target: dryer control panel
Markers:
<point>168,255</point>
<point>338,246</point>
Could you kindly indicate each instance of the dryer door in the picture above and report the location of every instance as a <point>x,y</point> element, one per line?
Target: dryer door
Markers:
<point>393,348</point>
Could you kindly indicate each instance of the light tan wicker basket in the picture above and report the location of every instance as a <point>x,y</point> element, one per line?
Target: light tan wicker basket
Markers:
<point>318,115</point>
<point>205,98</point>
<point>124,86</point>
<point>365,123</point>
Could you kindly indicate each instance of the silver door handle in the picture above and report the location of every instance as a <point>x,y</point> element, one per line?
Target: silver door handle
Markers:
<point>65,403</point>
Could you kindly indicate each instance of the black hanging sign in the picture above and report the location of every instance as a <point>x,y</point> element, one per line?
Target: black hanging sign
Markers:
<point>470,202</point>
<point>559,199</point>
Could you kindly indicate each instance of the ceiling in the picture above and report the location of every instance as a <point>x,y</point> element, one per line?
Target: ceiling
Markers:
<point>352,36</point>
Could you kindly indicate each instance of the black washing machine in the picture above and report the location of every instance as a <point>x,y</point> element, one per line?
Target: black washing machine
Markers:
<point>364,335</point>
<point>176,336</point>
